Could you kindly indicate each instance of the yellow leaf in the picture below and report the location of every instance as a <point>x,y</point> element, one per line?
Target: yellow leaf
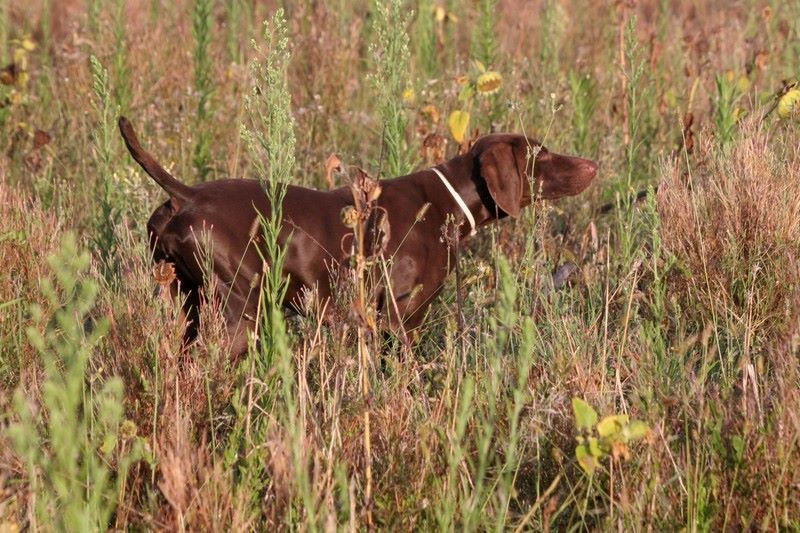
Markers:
<point>21,58</point>
<point>611,425</point>
<point>480,66</point>
<point>28,44</point>
<point>730,75</point>
<point>789,103</point>
<point>743,84</point>
<point>458,122</point>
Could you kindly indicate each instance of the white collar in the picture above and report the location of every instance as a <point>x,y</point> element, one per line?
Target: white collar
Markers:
<point>458,199</point>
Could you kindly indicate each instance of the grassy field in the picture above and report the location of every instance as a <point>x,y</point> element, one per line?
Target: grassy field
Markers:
<point>622,364</point>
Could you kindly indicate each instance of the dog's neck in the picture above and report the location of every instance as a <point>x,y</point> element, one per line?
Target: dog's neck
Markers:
<point>464,175</point>
<point>459,200</point>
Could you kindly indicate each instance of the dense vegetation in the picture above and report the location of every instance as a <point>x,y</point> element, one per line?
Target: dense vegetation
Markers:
<point>676,313</point>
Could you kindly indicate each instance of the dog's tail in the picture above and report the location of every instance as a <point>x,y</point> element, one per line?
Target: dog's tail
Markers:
<point>177,190</point>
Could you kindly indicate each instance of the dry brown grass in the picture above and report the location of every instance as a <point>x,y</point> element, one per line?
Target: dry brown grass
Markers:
<point>733,220</point>
<point>691,324</point>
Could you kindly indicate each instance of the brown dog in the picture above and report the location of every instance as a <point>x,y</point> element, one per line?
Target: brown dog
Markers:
<point>490,181</point>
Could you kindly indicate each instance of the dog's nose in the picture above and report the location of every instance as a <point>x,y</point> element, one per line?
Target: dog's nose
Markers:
<point>590,167</point>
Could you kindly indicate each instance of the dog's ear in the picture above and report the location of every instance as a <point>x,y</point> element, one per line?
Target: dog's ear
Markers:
<point>503,174</point>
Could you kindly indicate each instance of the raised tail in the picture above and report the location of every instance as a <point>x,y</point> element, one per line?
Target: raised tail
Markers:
<point>177,190</point>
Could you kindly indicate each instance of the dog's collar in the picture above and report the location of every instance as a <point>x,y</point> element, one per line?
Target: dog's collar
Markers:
<point>458,199</point>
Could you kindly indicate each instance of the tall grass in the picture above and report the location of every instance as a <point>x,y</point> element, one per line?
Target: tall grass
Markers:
<point>636,136</point>
<point>93,10</point>
<point>549,63</point>
<point>583,92</point>
<point>427,38</point>
<point>201,29</point>
<point>680,310</point>
<point>104,152</point>
<point>736,230</point>
<point>390,77</point>
<point>270,388</point>
<point>484,40</point>
<point>122,81</point>
<point>67,443</point>
<point>237,24</point>
<point>4,31</point>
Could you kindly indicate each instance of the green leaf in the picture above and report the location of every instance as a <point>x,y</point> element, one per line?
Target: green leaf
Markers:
<point>585,459</point>
<point>738,446</point>
<point>636,430</point>
<point>585,415</point>
<point>109,444</point>
<point>595,450</point>
<point>611,425</point>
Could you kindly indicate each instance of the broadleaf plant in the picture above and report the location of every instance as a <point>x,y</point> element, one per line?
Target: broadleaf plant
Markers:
<point>610,437</point>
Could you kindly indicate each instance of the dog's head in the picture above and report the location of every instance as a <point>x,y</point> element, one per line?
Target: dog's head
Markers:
<point>518,169</point>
